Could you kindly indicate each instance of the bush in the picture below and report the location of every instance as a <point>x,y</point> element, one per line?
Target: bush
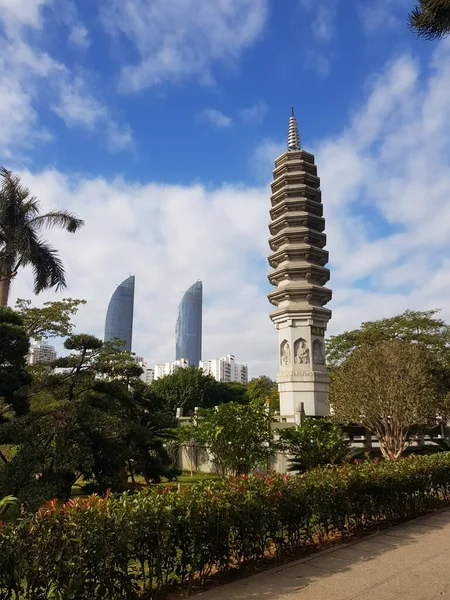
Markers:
<point>314,443</point>
<point>121,547</point>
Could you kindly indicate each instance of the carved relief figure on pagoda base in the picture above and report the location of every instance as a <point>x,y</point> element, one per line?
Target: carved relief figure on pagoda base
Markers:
<point>285,354</point>
<point>301,352</point>
<point>318,353</point>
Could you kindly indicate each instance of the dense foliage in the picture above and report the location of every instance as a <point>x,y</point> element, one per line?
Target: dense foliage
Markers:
<point>423,328</point>
<point>93,419</point>
<point>14,378</point>
<point>264,389</point>
<point>191,388</point>
<point>389,388</point>
<point>53,319</point>
<point>314,443</point>
<point>94,548</point>
<point>237,436</point>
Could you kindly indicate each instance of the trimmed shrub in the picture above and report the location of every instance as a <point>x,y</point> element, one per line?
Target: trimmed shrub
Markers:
<point>132,546</point>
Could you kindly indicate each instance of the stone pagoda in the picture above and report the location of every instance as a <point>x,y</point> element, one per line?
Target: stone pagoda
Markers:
<point>299,275</point>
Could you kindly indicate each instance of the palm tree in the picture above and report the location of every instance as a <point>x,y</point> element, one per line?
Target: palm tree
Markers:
<point>20,243</point>
<point>430,19</point>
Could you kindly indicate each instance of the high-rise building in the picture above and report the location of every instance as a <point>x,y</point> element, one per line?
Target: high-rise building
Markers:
<point>169,368</point>
<point>149,374</point>
<point>225,369</point>
<point>119,317</point>
<point>41,352</point>
<point>299,275</point>
<point>188,331</point>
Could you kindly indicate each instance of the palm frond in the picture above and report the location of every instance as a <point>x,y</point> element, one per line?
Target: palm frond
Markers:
<point>48,269</point>
<point>57,218</point>
<point>430,19</point>
<point>20,224</point>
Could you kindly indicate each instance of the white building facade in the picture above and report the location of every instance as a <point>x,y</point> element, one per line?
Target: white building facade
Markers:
<point>149,374</point>
<point>41,352</point>
<point>169,368</point>
<point>225,369</point>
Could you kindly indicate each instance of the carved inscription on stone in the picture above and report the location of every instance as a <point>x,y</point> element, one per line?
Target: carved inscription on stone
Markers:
<point>318,331</point>
<point>285,354</point>
<point>318,354</point>
<point>301,352</point>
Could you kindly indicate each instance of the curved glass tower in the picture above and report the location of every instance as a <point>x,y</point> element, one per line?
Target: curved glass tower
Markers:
<point>119,317</point>
<point>188,331</point>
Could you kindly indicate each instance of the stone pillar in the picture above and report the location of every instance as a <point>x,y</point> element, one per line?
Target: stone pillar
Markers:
<point>299,275</point>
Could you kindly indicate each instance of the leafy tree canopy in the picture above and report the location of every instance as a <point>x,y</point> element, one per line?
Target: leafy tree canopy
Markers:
<point>265,390</point>
<point>419,327</point>
<point>53,319</point>
<point>389,387</point>
<point>430,19</point>
<point>90,419</point>
<point>191,387</point>
<point>238,436</point>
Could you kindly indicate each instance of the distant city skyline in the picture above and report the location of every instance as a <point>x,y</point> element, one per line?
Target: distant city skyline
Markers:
<point>188,329</point>
<point>119,315</point>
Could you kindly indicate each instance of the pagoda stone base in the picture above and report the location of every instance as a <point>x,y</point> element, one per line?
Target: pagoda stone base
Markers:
<point>302,377</point>
<point>305,394</point>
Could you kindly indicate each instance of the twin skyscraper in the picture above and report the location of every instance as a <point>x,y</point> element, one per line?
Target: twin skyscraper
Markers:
<point>188,331</point>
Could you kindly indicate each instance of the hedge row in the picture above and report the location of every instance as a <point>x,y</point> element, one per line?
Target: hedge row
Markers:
<point>134,545</point>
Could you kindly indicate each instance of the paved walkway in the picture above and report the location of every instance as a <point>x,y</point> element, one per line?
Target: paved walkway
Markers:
<point>410,561</point>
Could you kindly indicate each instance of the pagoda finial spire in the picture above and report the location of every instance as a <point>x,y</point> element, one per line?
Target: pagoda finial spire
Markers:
<point>293,142</point>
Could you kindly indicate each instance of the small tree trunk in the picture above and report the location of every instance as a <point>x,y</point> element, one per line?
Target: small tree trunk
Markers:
<point>130,467</point>
<point>3,458</point>
<point>5,285</point>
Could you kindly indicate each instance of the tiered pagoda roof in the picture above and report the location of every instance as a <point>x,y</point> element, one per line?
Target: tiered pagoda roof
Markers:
<point>297,241</point>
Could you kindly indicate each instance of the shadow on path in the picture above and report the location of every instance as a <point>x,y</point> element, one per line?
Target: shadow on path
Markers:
<point>356,565</point>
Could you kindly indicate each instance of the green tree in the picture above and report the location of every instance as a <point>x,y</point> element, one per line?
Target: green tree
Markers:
<point>418,327</point>
<point>191,387</point>
<point>314,443</point>
<point>430,19</point>
<point>20,241</point>
<point>14,378</point>
<point>89,420</point>
<point>264,389</point>
<point>389,388</point>
<point>53,319</point>
<point>238,436</point>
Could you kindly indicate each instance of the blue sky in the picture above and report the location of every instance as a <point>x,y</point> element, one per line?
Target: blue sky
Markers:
<point>158,121</point>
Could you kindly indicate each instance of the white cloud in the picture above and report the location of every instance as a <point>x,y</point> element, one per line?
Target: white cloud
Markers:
<point>385,179</point>
<point>175,40</point>
<point>77,107</point>
<point>384,15</point>
<point>15,13</point>
<point>168,236</point>
<point>322,16</point>
<point>29,76</point>
<point>385,182</point>
<point>263,159</point>
<point>318,62</point>
<point>254,114</point>
<point>217,118</point>
<point>79,36</point>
